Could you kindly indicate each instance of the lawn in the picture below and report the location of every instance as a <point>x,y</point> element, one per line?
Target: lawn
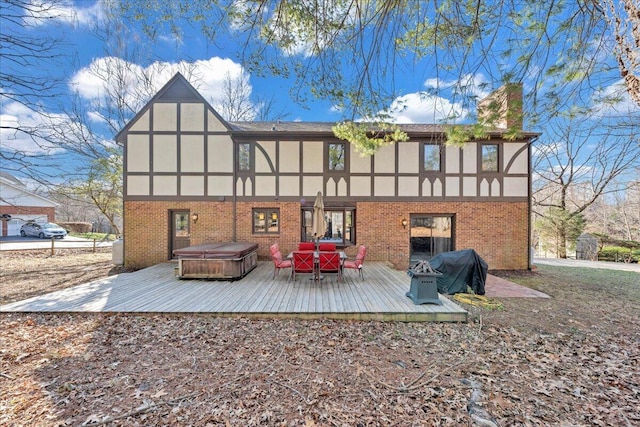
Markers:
<point>102,237</point>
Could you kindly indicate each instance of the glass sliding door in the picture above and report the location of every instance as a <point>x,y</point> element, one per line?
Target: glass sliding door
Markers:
<point>430,235</point>
<point>340,226</point>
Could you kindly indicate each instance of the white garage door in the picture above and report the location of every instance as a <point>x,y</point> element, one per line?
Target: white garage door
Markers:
<point>13,226</point>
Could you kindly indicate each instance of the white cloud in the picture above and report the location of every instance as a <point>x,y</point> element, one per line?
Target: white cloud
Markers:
<point>436,104</point>
<point>96,117</point>
<point>292,39</point>
<point>136,84</point>
<point>93,83</point>
<point>242,9</point>
<point>420,107</point>
<point>475,85</point>
<point>614,100</point>
<point>31,140</point>
<point>37,133</point>
<point>210,74</point>
<point>288,29</point>
<point>43,12</point>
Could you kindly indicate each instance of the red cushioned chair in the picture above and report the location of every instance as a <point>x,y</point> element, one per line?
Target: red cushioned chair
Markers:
<point>329,263</point>
<point>278,262</point>
<point>327,247</point>
<point>358,263</point>
<point>302,263</point>
<point>306,246</point>
<point>274,248</point>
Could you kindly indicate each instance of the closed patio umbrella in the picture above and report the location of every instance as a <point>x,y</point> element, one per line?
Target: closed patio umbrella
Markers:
<point>319,226</point>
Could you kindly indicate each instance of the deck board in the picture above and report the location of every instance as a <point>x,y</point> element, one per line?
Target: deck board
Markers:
<point>281,299</point>
<point>380,296</point>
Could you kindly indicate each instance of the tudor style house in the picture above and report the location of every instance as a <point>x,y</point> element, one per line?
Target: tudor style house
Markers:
<point>190,178</point>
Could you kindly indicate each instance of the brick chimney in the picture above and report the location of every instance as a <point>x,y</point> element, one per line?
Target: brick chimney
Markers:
<point>502,108</point>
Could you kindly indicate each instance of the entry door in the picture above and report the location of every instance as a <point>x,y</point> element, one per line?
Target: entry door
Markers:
<point>180,232</point>
<point>430,235</point>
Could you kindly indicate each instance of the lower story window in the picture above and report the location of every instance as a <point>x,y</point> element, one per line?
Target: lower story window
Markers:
<point>266,220</point>
<point>340,226</point>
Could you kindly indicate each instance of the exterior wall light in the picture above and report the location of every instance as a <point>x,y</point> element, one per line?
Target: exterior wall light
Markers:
<point>404,223</point>
<point>194,217</point>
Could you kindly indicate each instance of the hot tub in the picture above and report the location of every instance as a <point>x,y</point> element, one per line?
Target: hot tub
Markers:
<point>223,260</point>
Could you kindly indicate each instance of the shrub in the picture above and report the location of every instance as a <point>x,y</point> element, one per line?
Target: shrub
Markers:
<point>619,254</point>
<point>76,227</point>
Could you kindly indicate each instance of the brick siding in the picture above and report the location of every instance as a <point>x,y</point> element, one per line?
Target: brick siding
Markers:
<point>498,231</point>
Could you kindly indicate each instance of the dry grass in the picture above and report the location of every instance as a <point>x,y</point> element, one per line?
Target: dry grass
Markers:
<point>29,273</point>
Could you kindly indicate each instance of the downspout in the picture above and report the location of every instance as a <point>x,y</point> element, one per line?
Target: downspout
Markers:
<point>530,205</point>
<point>234,200</point>
<point>124,144</point>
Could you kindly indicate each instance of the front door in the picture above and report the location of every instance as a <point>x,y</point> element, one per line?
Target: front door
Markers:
<point>180,232</point>
<point>430,235</point>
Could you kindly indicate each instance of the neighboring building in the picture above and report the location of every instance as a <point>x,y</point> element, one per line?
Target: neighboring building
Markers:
<point>22,205</point>
<point>191,178</point>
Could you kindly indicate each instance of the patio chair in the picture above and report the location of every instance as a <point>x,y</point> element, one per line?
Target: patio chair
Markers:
<point>306,246</point>
<point>327,247</point>
<point>302,263</point>
<point>278,262</point>
<point>358,263</point>
<point>329,263</point>
<point>274,248</point>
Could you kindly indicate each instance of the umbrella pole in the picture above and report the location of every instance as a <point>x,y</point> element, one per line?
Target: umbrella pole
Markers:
<point>317,275</point>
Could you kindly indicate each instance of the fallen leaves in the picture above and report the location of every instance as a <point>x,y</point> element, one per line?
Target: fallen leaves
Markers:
<point>535,363</point>
<point>268,373</point>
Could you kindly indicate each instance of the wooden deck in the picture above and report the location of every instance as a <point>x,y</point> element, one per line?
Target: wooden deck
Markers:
<point>380,296</point>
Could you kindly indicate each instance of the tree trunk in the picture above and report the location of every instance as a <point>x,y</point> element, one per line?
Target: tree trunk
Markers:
<point>562,242</point>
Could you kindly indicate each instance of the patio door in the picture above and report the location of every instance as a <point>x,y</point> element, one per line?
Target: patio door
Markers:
<point>180,231</point>
<point>430,235</point>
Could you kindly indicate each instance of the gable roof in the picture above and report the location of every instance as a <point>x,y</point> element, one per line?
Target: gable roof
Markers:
<point>13,193</point>
<point>10,178</point>
<point>177,89</point>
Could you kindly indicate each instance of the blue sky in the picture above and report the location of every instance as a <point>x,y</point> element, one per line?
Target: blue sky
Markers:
<point>85,57</point>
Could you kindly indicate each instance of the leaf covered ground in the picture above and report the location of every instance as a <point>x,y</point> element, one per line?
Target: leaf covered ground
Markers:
<point>572,360</point>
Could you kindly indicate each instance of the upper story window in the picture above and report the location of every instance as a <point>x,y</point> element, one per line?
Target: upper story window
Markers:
<point>336,156</point>
<point>431,157</point>
<point>244,157</point>
<point>266,220</point>
<point>490,157</point>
